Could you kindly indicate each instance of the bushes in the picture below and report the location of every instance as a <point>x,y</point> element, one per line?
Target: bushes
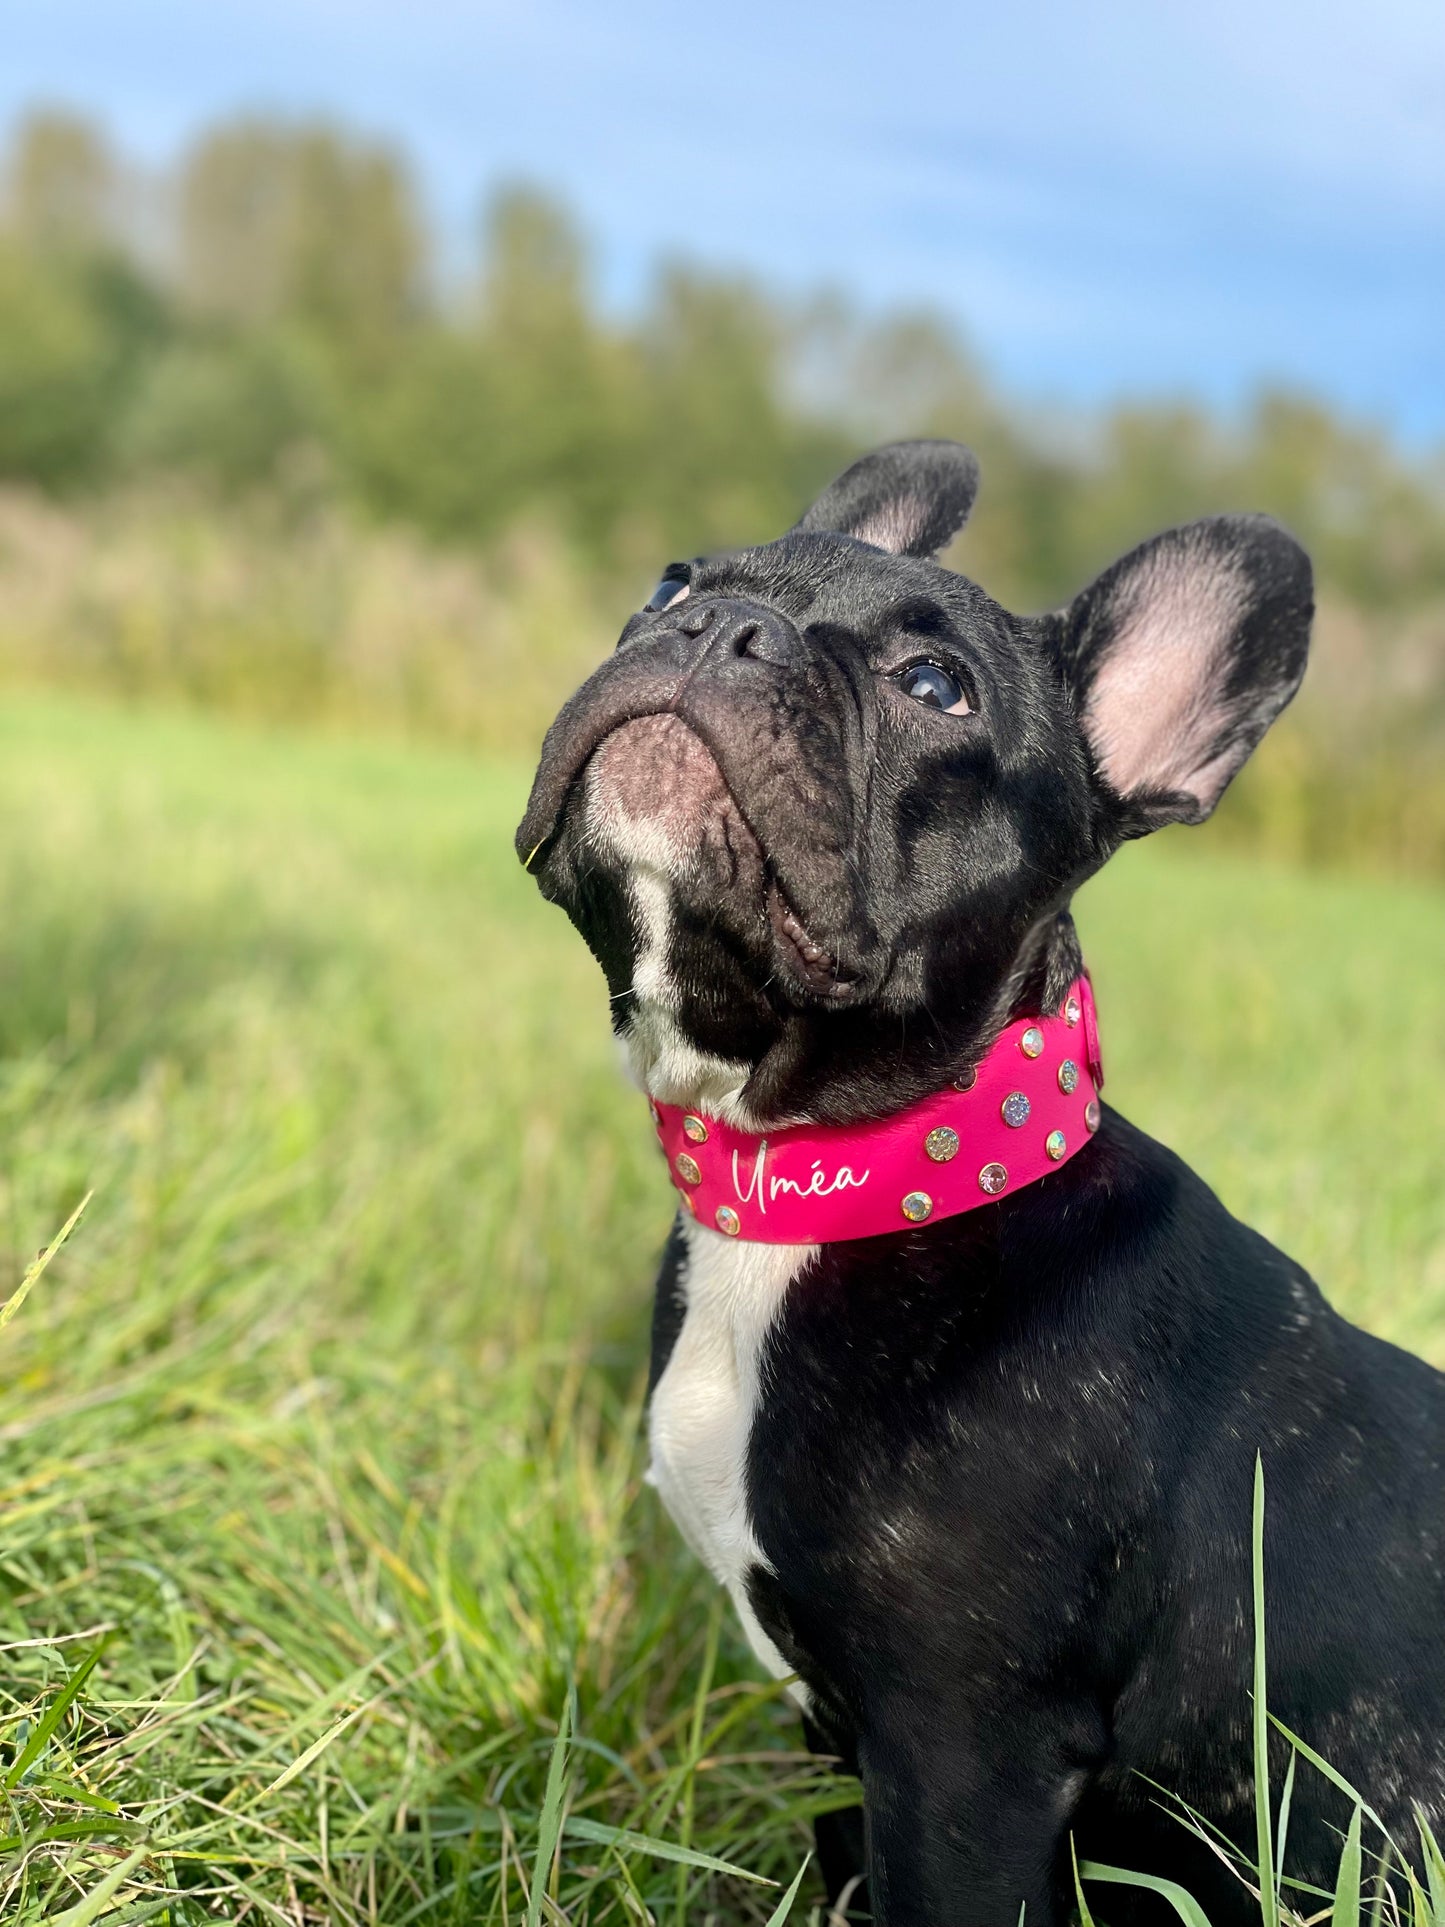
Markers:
<point>297,614</point>
<point>286,608</point>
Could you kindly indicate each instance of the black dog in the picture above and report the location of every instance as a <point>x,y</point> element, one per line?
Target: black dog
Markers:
<point>985,1485</point>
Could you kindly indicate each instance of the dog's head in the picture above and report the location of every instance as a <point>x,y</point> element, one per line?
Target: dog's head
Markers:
<point>821,814</point>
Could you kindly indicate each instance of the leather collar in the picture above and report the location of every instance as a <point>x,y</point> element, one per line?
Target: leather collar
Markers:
<point>1032,1104</point>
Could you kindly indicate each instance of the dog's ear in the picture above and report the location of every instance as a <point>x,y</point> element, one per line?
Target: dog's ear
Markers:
<point>910,498</point>
<point>1180,657</point>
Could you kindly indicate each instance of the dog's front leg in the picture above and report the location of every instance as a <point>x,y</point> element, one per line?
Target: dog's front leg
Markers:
<point>964,1828</point>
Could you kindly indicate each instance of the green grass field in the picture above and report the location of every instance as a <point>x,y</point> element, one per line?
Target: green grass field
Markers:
<point>323,1428</point>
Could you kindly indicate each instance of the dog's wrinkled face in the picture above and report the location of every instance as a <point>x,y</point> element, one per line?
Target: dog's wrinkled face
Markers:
<point>821,815</point>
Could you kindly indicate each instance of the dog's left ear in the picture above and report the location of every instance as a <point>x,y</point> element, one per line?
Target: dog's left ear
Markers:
<point>1180,657</point>
<point>910,498</point>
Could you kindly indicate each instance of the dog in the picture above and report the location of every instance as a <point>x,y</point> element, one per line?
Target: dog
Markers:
<point>974,1454</point>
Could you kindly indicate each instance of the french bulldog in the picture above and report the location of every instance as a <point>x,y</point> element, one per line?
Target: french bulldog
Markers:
<point>981,1486</point>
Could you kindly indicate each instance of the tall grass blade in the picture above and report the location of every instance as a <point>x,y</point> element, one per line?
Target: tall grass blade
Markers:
<point>317,1747</point>
<point>1434,1869</point>
<point>109,1830</point>
<point>1179,1898</point>
<point>1346,1910</point>
<point>694,1749</point>
<point>1086,1919</point>
<point>785,1905</point>
<point>1421,1912</point>
<point>39,1739</point>
<point>597,1833</point>
<point>549,1823</point>
<point>1268,1894</point>
<point>1282,1835</point>
<point>1382,1887</point>
<point>37,1265</point>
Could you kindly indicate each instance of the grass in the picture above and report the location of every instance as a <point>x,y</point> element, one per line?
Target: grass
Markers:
<point>319,1437</point>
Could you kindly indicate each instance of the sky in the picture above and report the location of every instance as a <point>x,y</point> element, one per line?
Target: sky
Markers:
<point>1131,198</point>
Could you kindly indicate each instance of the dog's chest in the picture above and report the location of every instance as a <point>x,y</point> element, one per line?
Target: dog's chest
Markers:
<point>704,1405</point>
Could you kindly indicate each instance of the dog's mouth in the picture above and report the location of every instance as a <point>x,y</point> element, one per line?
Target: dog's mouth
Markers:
<point>813,963</point>
<point>657,799</point>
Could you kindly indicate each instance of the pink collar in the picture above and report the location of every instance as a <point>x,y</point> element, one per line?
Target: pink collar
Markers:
<point>1033,1102</point>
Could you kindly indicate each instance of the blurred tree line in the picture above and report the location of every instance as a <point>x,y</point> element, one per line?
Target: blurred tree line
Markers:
<point>269,325</point>
<point>279,318</point>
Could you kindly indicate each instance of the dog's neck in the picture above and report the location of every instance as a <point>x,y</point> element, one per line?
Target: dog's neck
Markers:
<point>670,1069</point>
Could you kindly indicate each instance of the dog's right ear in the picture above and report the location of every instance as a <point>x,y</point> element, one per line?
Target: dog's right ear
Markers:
<point>1180,657</point>
<point>910,498</point>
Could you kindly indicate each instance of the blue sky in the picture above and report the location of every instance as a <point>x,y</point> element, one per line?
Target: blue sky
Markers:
<point>1121,198</point>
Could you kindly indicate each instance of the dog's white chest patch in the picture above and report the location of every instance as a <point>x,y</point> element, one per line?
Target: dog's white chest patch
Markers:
<point>703,1407</point>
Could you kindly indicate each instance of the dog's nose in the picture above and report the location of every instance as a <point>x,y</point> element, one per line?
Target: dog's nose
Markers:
<point>738,628</point>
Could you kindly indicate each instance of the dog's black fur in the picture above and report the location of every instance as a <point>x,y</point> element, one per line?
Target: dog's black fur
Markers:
<point>1000,1467</point>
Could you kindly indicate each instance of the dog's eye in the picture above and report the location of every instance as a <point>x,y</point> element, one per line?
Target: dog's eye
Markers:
<point>668,591</point>
<point>925,682</point>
